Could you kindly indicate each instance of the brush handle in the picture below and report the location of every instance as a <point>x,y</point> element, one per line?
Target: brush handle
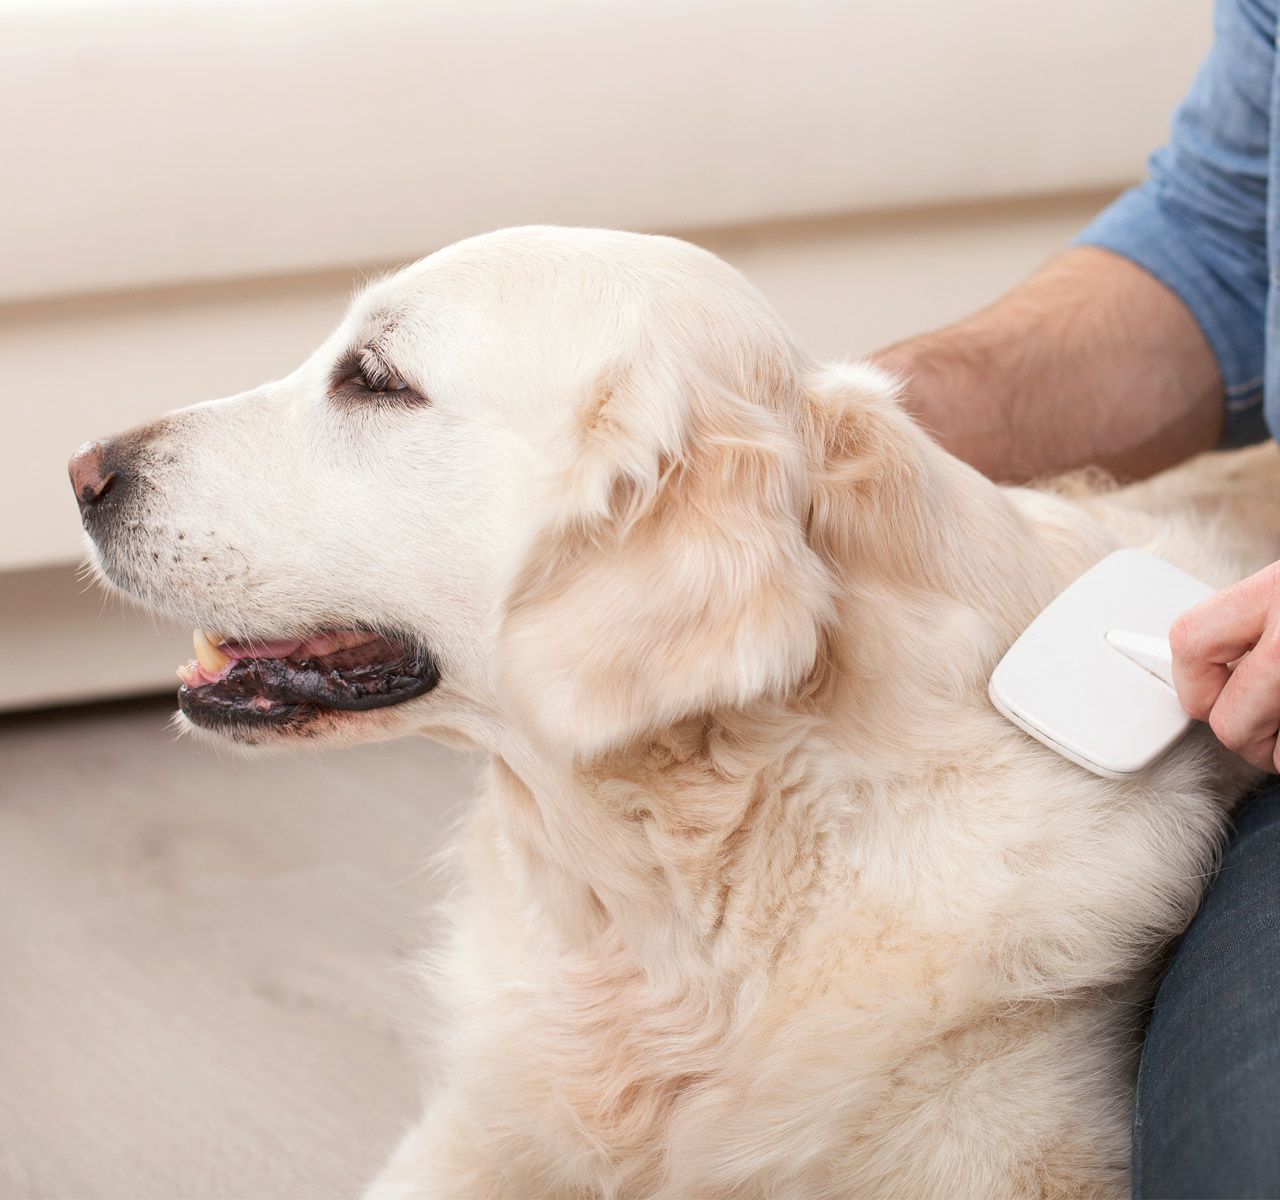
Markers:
<point>1151,653</point>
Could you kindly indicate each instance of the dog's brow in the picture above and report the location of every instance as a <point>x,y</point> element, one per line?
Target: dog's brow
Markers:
<point>380,327</point>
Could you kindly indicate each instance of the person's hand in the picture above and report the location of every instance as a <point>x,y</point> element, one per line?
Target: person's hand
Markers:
<point>1226,665</point>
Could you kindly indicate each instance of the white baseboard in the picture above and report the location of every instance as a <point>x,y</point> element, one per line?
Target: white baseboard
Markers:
<point>66,641</point>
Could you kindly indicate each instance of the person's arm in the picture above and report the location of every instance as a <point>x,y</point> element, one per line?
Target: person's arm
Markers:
<point>1090,361</point>
<point>1117,352</point>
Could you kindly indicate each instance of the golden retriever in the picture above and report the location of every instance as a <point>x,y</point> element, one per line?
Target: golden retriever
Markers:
<point>762,898</point>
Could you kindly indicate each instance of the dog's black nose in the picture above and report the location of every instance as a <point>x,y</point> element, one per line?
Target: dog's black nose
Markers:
<point>92,474</point>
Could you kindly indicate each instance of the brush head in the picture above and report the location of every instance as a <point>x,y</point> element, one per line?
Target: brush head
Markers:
<point>1086,678</point>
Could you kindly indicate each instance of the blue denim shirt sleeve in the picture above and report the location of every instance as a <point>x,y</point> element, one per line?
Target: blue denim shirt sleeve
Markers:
<point>1199,222</point>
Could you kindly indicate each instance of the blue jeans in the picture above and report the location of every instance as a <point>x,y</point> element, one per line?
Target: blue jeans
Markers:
<point>1207,1118</point>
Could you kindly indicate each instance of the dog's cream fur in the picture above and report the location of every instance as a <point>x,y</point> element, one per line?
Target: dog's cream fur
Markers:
<point>761,896</point>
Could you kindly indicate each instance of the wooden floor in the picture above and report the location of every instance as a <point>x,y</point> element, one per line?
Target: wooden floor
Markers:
<point>204,961</point>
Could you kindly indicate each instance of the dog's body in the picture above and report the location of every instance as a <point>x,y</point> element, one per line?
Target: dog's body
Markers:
<point>761,897</point>
<point>843,956</point>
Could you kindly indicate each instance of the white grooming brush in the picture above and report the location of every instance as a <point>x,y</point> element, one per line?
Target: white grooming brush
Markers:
<point>1091,676</point>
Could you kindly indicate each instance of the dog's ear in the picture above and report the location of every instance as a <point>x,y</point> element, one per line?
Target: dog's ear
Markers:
<point>673,575</point>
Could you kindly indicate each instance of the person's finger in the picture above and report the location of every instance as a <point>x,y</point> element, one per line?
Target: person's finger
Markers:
<point>1261,754</point>
<point>1247,711</point>
<point>1207,638</point>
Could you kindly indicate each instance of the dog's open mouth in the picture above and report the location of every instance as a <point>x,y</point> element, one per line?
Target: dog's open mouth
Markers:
<point>286,681</point>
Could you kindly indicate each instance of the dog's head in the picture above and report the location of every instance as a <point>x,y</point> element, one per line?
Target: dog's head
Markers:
<point>558,478</point>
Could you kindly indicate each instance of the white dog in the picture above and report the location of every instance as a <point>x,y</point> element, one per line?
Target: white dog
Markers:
<point>762,897</point>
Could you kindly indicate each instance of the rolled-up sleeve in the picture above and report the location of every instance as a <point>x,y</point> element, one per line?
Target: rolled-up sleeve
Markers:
<point>1199,222</point>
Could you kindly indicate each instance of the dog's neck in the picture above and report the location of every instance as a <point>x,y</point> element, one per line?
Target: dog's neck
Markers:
<point>895,512</point>
<point>636,856</point>
<point>636,852</point>
<point>939,571</point>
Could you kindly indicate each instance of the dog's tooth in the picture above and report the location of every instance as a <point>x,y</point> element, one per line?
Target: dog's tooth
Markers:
<point>207,654</point>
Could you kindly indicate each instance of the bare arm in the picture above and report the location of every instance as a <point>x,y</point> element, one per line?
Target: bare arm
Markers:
<point>1091,361</point>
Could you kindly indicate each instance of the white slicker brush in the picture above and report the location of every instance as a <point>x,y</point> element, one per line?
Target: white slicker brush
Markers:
<point>1091,676</point>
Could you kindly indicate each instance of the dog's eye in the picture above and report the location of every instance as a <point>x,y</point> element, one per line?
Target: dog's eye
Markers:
<point>364,373</point>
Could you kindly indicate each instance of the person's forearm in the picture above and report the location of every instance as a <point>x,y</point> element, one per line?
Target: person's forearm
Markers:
<point>1092,361</point>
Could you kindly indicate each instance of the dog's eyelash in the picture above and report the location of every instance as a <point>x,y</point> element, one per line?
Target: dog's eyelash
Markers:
<point>377,377</point>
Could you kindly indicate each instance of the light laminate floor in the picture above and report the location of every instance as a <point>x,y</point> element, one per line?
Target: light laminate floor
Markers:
<point>205,984</point>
